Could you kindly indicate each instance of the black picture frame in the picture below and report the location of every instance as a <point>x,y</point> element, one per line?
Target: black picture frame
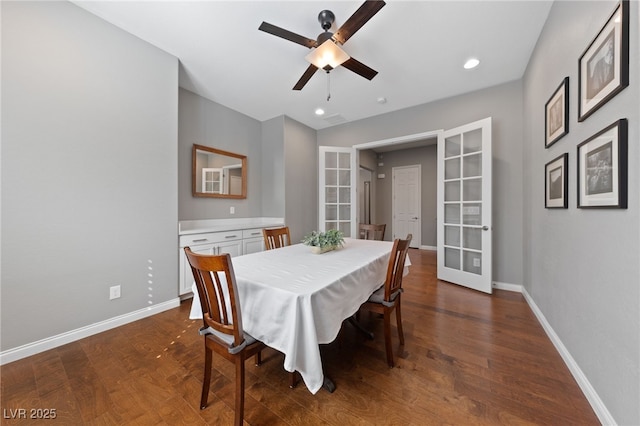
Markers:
<point>602,168</point>
<point>556,183</point>
<point>556,114</point>
<point>603,68</point>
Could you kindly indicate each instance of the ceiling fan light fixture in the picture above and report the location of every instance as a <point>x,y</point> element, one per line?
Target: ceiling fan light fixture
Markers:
<point>328,53</point>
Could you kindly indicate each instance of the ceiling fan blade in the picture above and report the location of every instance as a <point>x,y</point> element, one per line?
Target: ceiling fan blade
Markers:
<point>287,35</point>
<point>305,77</point>
<point>368,9</point>
<point>359,68</point>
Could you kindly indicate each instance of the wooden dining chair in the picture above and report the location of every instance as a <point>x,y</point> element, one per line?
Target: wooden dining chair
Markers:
<point>222,328</point>
<point>276,237</point>
<point>387,298</point>
<point>371,232</point>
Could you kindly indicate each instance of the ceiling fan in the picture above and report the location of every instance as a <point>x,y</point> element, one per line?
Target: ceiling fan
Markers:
<point>327,53</point>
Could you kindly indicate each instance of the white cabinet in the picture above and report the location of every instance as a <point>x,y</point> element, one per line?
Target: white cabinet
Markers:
<point>252,241</point>
<point>206,243</point>
<point>217,236</point>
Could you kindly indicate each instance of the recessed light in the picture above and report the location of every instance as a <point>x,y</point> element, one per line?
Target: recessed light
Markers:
<point>319,111</point>
<point>471,63</point>
<point>381,100</point>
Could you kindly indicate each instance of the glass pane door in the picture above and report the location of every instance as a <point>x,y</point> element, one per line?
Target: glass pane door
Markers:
<point>337,208</point>
<point>464,195</point>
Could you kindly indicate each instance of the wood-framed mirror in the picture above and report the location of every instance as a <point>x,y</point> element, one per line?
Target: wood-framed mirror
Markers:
<point>218,174</point>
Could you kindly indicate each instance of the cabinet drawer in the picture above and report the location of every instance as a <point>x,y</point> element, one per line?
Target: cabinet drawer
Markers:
<point>209,237</point>
<point>252,233</point>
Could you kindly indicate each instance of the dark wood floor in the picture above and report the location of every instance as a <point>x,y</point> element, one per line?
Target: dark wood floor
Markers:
<point>469,359</point>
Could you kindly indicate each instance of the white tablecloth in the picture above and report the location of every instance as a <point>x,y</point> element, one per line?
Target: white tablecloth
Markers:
<point>294,300</point>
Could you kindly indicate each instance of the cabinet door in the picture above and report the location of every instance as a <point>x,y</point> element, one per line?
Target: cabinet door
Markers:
<point>186,277</point>
<point>234,248</point>
<point>252,245</point>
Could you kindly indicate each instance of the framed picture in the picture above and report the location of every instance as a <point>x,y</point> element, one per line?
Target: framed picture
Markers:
<point>603,69</point>
<point>556,114</point>
<point>602,168</point>
<point>556,183</point>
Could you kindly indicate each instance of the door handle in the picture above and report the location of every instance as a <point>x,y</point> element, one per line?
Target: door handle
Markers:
<point>415,218</point>
<point>485,228</point>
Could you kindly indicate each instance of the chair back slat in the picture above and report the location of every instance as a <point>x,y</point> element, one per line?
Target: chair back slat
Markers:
<point>371,231</point>
<point>276,237</point>
<point>395,268</point>
<point>217,290</point>
<point>215,297</point>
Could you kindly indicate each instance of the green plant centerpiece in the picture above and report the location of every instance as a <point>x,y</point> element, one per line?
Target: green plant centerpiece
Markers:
<point>322,242</point>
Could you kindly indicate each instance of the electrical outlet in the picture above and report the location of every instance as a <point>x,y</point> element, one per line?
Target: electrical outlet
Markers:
<point>232,210</point>
<point>114,292</point>
<point>476,262</point>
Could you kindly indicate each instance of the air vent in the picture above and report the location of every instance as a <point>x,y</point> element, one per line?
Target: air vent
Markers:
<point>335,119</point>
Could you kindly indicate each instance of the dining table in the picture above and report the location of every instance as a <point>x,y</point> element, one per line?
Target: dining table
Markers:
<point>294,300</point>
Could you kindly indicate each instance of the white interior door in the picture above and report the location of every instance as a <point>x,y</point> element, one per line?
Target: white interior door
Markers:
<point>337,199</point>
<point>464,205</point>
<point>406,205</point>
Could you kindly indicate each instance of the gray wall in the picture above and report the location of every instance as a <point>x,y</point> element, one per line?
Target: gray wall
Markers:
<point>89,173</point>
<point>582,265</point>
<point>272,183</point>
<point>301,179</point>
<point>504,104</point>
<point>282,159</point>
<point>426,157</point>
<point>368,159</point>
<point>208,123</point>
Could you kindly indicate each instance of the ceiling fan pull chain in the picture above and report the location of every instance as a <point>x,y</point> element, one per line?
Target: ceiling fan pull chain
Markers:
<point>328,86</point>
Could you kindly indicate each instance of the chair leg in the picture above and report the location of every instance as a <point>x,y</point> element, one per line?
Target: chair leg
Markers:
<point>294,380</point>
<point>387,336</point>
<point>208,358</point>
<point>239,415</point>
<point>259,358</point>
<point>399,321</point>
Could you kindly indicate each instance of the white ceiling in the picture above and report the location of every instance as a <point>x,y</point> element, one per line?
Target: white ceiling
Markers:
<point>417,47</point>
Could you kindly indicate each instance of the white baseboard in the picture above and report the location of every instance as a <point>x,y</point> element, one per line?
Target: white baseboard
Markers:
<point>589,392</point>
<point>29,349</point>
<point>506,286</point>
<point>433,248</point>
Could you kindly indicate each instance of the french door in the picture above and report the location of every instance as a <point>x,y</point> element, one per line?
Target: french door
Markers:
<point>464,205</point>
<point>337,198</point>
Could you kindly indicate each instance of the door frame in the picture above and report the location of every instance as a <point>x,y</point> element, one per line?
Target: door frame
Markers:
<point>400,140</point>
